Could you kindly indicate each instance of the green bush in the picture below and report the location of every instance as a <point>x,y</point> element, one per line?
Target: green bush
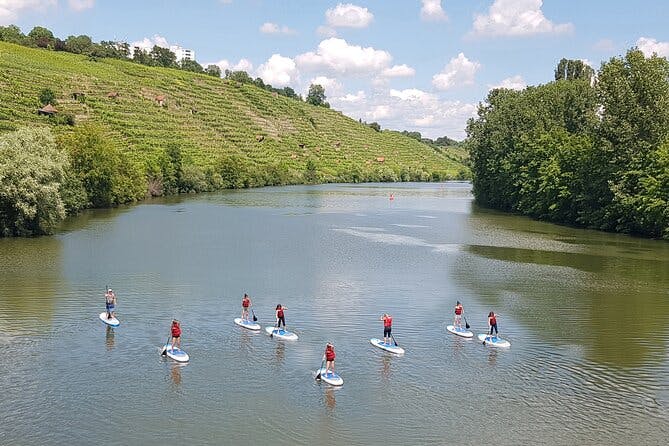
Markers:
<point>31,172</point>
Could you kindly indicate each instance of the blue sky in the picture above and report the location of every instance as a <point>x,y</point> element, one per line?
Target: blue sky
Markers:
<point>408,64</point>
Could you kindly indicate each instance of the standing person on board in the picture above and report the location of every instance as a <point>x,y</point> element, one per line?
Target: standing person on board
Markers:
<point>387,327</point>
<point>329,357</point>
<point>246,304</point>
<point>492,323</point>
<point>459,311</point>
<point>110,303</point>
<point>280,318</point>
<point>176,334</point>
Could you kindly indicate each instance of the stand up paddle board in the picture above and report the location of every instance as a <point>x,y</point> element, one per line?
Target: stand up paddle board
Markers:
<point>460,331</point>
<point>495,341</point>
<point>281,333</point>
<point>392,348</point>
<point>247,324</point>
<point>175,353</point>
<point>331,378</point>
<point>113,322</point>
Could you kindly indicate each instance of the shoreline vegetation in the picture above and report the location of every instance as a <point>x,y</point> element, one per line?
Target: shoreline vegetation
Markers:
<point>85,130</point>
<point>588,150</point>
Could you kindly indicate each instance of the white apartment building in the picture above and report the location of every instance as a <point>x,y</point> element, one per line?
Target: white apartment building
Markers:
<point>182,53</point>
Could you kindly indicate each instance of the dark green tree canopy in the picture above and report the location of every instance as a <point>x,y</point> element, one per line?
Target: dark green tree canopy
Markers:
<point>41,37</point>
<point>213,70</point>
<point>316,96</point>
<point>569,69</point>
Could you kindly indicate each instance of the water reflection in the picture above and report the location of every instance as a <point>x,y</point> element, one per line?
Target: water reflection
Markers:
<point>329,398</point>
<point>279,353</point>
<point>386,371</point>
<point>109,338</point>
<point>175,373</point>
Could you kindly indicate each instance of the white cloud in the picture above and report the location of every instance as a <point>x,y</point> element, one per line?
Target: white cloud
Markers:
<point>409,109</point>
<point>148,43</point>
<point>649,46</point>
<point>279,71</point>
<point>432,11</point>
<point>512,83</point>
<point>516,18</point>
<point>459,71</point>
<point>10,9</point>
<point>80,5</point>
<point>273,28</point>
<point>337,56</point>
<point>398,71</point>
<point>242,65</point>
<point>347,15</point>
<point>331,85</point>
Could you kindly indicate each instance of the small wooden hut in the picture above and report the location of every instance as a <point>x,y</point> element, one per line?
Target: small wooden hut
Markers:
<point>47,110</point>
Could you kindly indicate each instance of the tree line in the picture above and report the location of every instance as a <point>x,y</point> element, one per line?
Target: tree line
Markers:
<point>40,37</point>
<point>588,149</point>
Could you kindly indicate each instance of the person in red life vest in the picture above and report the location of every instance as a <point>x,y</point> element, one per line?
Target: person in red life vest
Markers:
<point>176,334</point>
<point>246,304</point>
<point>387,327</point>
<point>492,323</point>
<point>329,357</point>
<point>280,318</point>
<point>459,310</point>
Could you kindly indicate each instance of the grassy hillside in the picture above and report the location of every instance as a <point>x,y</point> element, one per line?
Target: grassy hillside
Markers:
<point>206,117</point>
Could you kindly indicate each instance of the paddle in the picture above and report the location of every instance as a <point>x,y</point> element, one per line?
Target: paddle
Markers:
<point>318,374</point>
<point>466,323</point>
<point>271,333</point>
<point>255,319</point>
<point>164,352</point>
<point>393,338</point>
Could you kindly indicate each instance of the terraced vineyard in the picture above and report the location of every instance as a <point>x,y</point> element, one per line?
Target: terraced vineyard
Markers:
<point>205,116</point>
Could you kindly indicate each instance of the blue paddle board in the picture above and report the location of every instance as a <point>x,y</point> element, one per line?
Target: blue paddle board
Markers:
<point>495,341</point>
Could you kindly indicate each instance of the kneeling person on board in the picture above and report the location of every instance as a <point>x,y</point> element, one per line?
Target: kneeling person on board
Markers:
<point>280,318</point>
<point>246,303</point>
<point>176,334</point>
<point>492,323</point>
<point>387,327</point>
<point>459,310</point>
<point>110,303</point>
<point>329,357</point>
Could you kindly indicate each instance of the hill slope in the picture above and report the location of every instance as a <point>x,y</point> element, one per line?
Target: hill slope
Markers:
<point>207,118</point>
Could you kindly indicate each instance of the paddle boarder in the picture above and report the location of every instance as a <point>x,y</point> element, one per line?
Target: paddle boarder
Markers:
<point>492,323</point>
<point>176,334</point>
<point>280,318</point>
<point>110,303</point>
<point>387,327</point>
<point>246,304</point>
<point>329,357</point>
<point>459,310</point>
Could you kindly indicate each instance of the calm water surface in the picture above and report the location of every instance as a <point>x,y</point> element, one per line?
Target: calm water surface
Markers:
<point>586,313</point>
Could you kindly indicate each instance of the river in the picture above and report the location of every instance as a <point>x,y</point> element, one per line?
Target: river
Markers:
<point>586,314</point>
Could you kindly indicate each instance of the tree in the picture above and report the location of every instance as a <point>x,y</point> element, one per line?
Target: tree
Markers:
<point>289,92</point>
<point>41,37</point>
<point>142,57</point>
<point>47,96</point>
<point>163,57</point>
<point>238,76</point>
<point>31,171</point>
<point>316,96</point>
<point>569,69</point>
<point>191,65</point>
<point>213,70</point>
<point>375,126</point>
<point>12,34</point>
<point>78,44</point>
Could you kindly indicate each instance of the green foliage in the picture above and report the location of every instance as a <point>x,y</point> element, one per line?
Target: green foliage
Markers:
<point>191,65</point>
<point>108,176</point>
<point>47,96</point>
<point>41,37</point>
<point>163,57</point>
<point>213,70</point>
<point>543,151</point>
<point>316,96</point>
<point>79,44</point>
<point>569,69</point>
<point>31,172</point>
<point>311,172</point>
<point>12,34</point>
<point>238,76</point>
<point>375,126</point>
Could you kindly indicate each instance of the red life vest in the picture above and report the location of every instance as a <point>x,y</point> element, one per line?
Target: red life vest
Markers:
<point>176,330</point>
<point>329,354</point>
<point>279,312</point>
<point>458,310</point>
<point>388,321</point>
<point>245,302</point>
<point>493,320</point>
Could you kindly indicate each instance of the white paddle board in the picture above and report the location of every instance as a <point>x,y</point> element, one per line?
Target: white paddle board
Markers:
<point>331,378</point>
<point>175,353</point>
<point>247,324</point>
<point>113,322</point>
<point>281,333</point>
<point>495,341</point>
<point>460,331</point>
<point>392,348</point>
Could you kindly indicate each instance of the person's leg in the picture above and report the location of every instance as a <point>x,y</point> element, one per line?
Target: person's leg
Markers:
<point>496,332</point>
